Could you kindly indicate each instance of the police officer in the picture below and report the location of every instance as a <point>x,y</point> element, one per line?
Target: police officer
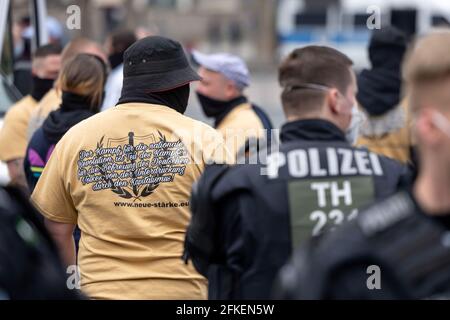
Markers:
<point>398,248</point>
<point>315,182</point>
<point>221,96</point>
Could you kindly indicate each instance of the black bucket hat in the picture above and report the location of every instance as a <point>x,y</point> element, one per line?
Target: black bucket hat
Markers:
<point>157,64</point>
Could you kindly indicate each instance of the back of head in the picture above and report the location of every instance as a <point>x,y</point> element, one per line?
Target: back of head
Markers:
<point>426,67</point>
<point>117,43</point>
<point>47,50</point>
<point>121,40</point>
<point>387,48</point>
<point>312,65</point>
<point>47,61</point>
<point>84,75</point>
<point>426,72</point>
<point>156,68</point>
<point>82,45</point>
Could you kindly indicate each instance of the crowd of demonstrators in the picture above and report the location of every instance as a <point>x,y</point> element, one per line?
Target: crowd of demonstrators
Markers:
<point>406,235</point>
<point>387,129</point>
<point>314,183</point>
<point>221,96</point>
<point>152,190</point>
<point>13,135</point>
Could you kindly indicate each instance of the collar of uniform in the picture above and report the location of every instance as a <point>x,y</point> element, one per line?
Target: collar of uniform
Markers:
<point>311,129</point>
<point>232,105</point>
<point>147,106</point>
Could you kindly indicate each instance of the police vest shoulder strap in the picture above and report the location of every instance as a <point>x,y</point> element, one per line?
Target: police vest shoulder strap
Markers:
<point>250,150</point>
<point>263,117</point>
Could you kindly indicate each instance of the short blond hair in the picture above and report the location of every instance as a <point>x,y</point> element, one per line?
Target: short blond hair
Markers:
<point>429,58</point>
<point>426,63</point>
<point>77,46</point>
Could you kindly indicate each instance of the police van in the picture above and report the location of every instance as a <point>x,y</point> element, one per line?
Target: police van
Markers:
<point>347,24</point>
<point>9,68</point>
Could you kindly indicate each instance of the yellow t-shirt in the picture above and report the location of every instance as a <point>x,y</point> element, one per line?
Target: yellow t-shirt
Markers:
<point>13,135</point>
<point>396,143</point>
<point>125,176</point>
<point>50,102</point>
<point>239,125</point>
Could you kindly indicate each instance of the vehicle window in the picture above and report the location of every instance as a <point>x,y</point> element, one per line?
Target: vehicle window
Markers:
<point>7,94</point>
<point>439,20</point>
<point>311,19</point>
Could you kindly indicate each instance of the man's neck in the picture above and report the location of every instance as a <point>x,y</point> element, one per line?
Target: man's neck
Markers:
<point>311,116</point>
<point>432,192</point>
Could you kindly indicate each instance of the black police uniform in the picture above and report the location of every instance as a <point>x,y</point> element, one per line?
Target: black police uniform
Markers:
<point>30,267</point>
<point>246,222</point>
<point>393,250</point>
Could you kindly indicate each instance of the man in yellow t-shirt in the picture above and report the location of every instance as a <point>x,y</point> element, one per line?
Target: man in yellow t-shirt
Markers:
<point>221,96</point>
<point>125,177</point>
<point>13,135</point>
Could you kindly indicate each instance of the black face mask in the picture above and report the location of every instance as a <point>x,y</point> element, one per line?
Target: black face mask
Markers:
<point>218,109</point>
<point>41,87</point>
<point>115,59</point>
<point>176,98</point>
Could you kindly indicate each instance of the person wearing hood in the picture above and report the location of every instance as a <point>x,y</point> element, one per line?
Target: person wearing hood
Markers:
<point>81,84</point>
<point>221,96</point>
<point>125,175</point>
<point>386,129</point>
<point>14,133</point>
<point>117,43</point>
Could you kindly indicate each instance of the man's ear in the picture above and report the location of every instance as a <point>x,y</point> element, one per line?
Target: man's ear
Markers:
<point>36,63</point>
<point>332,101</point>
<point>426,129</point>
<point>230,90</point>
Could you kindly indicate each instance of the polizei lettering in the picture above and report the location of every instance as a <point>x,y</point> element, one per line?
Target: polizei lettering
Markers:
<point>313,162</point>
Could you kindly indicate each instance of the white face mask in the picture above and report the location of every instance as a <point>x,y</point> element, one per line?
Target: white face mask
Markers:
<point>358,119</point>
<point>441,122</point>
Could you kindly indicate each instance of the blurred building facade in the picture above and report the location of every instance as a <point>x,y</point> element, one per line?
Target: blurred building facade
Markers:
<point>245,27</point>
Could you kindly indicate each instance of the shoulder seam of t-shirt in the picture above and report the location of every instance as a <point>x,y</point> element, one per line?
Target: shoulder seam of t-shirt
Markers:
<point>51,216</point>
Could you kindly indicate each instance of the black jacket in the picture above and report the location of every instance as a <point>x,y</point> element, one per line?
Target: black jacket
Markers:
<point>247,219</point>
<point>30,267</point>
<point>393,250</point>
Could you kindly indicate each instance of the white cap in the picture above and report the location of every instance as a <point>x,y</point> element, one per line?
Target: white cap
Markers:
<point>231,66</point>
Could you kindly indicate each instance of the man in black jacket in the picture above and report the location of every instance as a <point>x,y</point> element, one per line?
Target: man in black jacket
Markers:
<point>398,248</point>
<point>247,219</point>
